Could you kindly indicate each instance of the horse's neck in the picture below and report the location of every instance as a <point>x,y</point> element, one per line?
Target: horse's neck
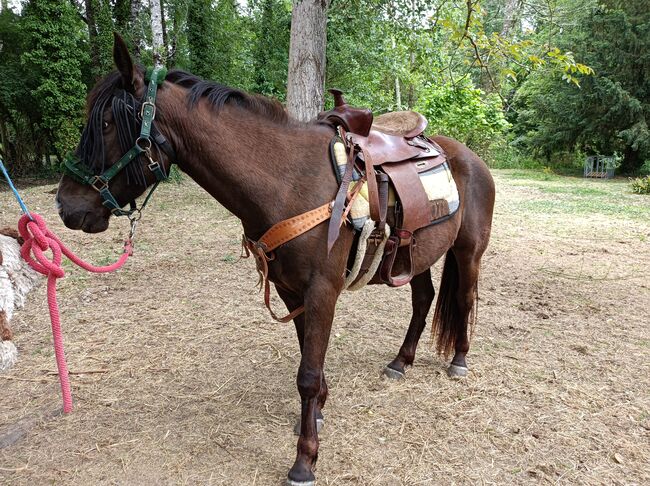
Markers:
<point>260,171</point>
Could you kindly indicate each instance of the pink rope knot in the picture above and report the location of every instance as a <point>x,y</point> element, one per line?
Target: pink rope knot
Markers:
<point>38,240</point>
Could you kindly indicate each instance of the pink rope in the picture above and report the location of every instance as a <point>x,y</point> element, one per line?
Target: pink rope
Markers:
<point>38,239</point>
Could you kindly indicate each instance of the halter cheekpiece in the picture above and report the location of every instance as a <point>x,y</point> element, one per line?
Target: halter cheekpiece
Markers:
<point>154,77</point>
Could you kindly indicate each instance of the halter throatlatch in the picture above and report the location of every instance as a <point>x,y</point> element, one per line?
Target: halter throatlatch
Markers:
<point>142,146</point>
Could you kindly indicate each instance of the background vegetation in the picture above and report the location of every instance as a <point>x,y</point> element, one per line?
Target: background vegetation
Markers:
<point>535,83</point>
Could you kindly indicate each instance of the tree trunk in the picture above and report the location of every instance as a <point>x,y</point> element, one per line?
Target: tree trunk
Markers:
<point>92,35</point>
<point>163,24</point>
<point>121,11</point>
<point>136,28</point>
<point>306,78</point>
<point>159,54</point>
<point>510,16</point>
<point>398,91</point>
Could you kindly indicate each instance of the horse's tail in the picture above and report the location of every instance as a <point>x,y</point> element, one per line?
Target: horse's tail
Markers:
<point>448,319</point>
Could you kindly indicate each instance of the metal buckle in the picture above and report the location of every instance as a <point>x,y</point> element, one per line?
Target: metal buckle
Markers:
<point>95,183</point>
<point>153,108</point>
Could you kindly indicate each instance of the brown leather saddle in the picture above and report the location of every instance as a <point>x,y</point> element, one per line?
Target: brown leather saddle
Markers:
<point>391,148</point>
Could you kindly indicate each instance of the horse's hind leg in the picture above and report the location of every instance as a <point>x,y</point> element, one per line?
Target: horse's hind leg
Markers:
<point>422,294</point>
<point>456,308</point>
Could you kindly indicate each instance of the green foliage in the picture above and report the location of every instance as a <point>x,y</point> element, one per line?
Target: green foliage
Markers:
<point>645,168</point>
<point>529,84</point>
<point>52,68</point>
<point>464,113</point>
<point>641,185</point>
<point>272,27</point>
<point>610,110</point>
<point>201,34</point>
<point>218,42</point>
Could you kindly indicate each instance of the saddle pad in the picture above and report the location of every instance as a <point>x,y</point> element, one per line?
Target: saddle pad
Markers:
<point>438,184</point>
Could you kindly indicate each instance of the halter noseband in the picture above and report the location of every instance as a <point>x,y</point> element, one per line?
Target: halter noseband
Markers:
<point>155,77</point>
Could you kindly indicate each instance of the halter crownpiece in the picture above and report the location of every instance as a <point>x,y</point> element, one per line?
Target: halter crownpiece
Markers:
<point>154,77</point>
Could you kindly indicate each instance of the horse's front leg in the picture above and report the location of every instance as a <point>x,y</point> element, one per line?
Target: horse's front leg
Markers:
<point>320,302</point>
<point>293,301</point>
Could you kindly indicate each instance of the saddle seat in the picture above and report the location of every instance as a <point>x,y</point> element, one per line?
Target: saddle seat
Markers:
<point>406,124</point>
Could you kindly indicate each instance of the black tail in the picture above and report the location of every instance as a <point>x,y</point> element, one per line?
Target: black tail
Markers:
<point>448,318</point>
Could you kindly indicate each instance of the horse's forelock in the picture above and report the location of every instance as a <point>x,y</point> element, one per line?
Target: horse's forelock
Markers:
<point>109,91</point>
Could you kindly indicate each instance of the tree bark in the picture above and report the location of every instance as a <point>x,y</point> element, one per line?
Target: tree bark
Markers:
<point>136,28</point>
<point>306,77</point>
<point>92,35</point>
<point>159,54</point>
<point>511,15</point>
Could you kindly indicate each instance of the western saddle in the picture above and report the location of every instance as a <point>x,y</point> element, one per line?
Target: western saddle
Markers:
<point>390,148</point>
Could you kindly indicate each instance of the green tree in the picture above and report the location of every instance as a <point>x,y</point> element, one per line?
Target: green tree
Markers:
<point>20,142</point>
<point>272,26</point>
<point>201,25</point>
<point>54,62</point>
<point>100,35</point>
<point>610,112</point>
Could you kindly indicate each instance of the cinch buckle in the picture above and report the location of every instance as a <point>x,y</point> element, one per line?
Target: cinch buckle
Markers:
<point>96,181</point>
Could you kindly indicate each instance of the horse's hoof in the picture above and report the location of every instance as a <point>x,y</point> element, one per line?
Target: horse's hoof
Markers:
<point>303,475</point>
<point>455,371</point>
<point>291,482</point>
<point>320,421</point>
<point>393,374</point>
<point>8,355</point>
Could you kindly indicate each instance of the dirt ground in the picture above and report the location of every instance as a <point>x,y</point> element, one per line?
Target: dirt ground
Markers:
<point>181,377</point>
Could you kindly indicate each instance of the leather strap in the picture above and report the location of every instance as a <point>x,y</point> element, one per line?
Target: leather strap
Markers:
<point>290,228</point>
<point>339,202</point>
<point>261,261</point>
<point>276,236</point>
<point>390,252</point>
<point>416,208</point>
<point>373,191</point>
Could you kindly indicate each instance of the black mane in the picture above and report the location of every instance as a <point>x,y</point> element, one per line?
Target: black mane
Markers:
<point>219,95</point>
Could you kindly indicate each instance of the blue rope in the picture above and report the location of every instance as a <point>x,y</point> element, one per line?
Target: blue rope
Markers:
<point>11,185</point>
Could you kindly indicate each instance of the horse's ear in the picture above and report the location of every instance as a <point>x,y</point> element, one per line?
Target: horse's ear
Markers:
<point>123,62</point>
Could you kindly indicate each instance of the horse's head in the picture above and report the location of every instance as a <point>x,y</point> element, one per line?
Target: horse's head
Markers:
<point>116,159</point>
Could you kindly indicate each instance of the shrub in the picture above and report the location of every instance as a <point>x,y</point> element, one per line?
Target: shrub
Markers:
<point>465,113</point>
<point>641,185</point>
<point>645,168</point>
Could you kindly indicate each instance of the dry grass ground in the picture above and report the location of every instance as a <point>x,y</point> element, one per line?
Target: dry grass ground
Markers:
<point>183,378</point>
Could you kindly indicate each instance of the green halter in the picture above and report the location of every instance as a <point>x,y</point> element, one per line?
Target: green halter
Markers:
<point>154,77</point>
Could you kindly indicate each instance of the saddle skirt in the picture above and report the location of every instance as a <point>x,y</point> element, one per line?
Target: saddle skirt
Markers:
<point>437,182</point>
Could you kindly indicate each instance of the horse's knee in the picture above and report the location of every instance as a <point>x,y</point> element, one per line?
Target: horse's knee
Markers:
<point>309,382</point>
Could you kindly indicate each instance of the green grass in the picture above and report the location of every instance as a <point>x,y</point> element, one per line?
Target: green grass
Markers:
<point>572,196</point>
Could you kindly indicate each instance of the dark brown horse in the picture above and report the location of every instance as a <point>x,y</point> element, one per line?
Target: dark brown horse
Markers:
<point>250,156</point>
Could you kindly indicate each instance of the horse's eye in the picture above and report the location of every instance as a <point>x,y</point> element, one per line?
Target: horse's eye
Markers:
<point>105,125</point>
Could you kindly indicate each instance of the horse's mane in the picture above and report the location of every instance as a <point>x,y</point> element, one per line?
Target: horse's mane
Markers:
<point>219,95</point>
<point>125,108</point>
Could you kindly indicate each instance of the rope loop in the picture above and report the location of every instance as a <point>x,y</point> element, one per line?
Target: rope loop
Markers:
<point>38,240</point>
